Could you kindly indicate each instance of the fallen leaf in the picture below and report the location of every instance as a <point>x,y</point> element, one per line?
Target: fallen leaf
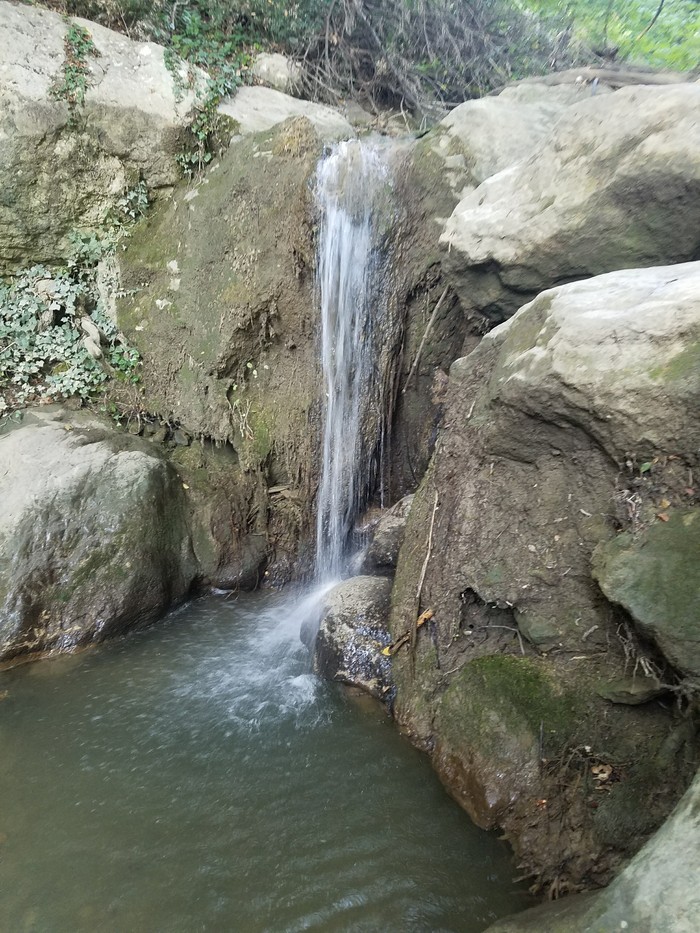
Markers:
<point>664,504</point>
<point>662,516</point>
<point>185,486</point>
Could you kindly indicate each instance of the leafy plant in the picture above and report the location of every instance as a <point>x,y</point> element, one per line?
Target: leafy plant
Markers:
<point>75,77</point>
<point>56,339</point>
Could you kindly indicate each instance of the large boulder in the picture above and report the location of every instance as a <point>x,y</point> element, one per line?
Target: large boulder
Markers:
<point>94,534</point>
<point>571,422</point>
<point>353,633</point>
<point>615,185</point>
<point>64,165</point>
<point>656,893</point>
<point>485,136</point>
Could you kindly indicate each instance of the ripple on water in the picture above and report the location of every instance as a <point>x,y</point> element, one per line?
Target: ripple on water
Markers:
<point>197,776</point>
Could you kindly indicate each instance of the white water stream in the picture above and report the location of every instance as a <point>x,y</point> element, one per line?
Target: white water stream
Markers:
<point>351,189</point>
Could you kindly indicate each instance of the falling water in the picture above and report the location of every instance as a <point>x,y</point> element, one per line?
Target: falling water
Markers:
<point>351,193</point>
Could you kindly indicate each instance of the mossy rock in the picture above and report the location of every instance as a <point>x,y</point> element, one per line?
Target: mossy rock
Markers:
<point>654,575</point>
<point>497,719</point>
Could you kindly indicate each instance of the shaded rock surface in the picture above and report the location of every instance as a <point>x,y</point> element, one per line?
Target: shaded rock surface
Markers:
<point>656,893</point>
<point>63,169</point>
<point>94,536</point>
<point>547,426</point>
<point>615,185</point>
<point>654,575</point>
<point>382,551</point>
<point>352,634</point>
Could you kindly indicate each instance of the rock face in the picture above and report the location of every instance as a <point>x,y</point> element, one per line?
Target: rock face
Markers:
<point>574,419</point>
<point>219,298</point>
<point>656,893</point>
<point>258,109</point>
<point>63,166</point>
<point>352,634</point>
<point>616,185</point>
<point>94,535</point>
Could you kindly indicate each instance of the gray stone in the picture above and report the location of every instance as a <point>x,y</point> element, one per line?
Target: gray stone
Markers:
<point>492,133</point>
<point>353,633</point>
<point>654,575</point>
<point>276,71</point>
<point>631,691</point>
<point>94,534</point>
<point>383,549</point>
<point>616,184</point>
<point>256,109</point>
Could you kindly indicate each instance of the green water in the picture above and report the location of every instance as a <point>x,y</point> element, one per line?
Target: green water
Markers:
<point>196,777</point>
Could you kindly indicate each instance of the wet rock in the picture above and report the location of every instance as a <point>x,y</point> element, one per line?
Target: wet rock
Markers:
<point>654,575</point>
<point>58,177</point>
<point>352,634</point>
<point>383,549</point>
<point>94,535</point>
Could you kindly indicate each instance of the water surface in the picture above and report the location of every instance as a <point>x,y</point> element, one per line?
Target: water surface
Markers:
<point>196,777</point>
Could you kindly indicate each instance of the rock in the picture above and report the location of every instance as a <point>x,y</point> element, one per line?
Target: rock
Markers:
<point>181,438</point>
<point>615,185</point>
<point>485,136</point>
<point>657,891</point>
<point>383,549</point>
<point>257,109</point>
<point>94,535</point>
<point>654,575</point>
<point>631,691</point>
<point>352,634</point>
<point>276,71</point>
<point>488,733</point>
<point>543,412</point>
<point>63,171</point>
<point>540,424</point>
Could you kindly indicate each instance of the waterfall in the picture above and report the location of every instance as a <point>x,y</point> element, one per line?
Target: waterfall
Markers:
<point>351,196</point>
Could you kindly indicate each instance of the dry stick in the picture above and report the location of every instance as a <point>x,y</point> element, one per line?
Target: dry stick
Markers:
<point>414,628</point>
<point>425,335</point>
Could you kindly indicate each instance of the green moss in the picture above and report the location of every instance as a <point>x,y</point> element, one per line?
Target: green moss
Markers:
<point>516,694</point>
<point>683,365</point>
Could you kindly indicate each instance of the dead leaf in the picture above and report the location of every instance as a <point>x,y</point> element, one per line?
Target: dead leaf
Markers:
<point>664,504</point>
<point>662,516</point>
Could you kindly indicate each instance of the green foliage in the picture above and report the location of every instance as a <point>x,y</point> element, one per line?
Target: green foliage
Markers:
<point>663,35</point>
<point>72,82</point>
<point>51,320</point>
